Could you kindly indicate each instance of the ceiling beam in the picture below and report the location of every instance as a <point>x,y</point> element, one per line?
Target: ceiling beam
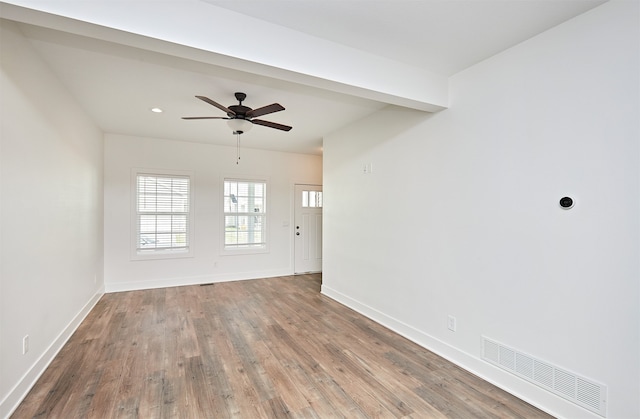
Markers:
<point>195,30</point>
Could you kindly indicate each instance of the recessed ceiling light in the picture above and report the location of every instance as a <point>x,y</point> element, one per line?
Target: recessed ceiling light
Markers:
<point>156,110</point>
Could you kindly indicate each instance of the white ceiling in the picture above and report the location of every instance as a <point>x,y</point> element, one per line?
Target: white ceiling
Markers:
<point>444,36</point>
<point>118,83</point>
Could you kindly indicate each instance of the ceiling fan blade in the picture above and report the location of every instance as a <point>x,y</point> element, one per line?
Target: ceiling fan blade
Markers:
<point>216,104</point>
<point>271,124</point>
<point>274,107</point>
<point>204,117</point>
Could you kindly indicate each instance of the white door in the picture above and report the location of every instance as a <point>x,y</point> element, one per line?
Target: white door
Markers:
<point>307,229</point>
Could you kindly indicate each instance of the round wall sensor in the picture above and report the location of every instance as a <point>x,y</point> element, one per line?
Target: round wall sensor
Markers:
<point>566,202</point>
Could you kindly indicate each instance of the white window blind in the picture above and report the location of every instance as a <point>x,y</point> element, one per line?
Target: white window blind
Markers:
<point>245,217</point>
<point>163,212</point>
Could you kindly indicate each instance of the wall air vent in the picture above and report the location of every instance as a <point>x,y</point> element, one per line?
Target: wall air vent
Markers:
<point>582,391</point>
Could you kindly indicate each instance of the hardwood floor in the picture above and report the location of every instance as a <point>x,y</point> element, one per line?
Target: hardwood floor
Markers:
<point>266,348</point>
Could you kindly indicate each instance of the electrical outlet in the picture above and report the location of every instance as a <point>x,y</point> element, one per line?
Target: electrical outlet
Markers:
<point>451,323</point>
<point>25,344</point>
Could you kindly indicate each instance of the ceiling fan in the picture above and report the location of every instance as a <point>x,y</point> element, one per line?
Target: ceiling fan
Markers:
<point>241,118</point>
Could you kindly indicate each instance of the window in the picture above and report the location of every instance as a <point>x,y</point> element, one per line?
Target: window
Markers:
<point>312,199</point>
<point>162,221</point>
<point>245,214</point>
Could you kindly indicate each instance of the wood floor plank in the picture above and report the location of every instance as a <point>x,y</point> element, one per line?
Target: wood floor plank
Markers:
<point>337,397</point>
<point>268,348</point>
<point>289,393</point>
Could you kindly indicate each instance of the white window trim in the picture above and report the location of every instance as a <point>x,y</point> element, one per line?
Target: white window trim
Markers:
<point>160,253</point>
<point>253,250</point>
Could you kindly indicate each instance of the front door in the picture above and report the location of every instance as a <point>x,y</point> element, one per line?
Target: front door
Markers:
<point>307,229</point>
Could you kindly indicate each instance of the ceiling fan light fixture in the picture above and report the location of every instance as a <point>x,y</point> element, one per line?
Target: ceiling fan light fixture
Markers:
<point>239,126</point>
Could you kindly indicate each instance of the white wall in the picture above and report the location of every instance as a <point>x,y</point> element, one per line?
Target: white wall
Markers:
<point>51,216</point>
<point>209,164</point>
<point>460,215</point>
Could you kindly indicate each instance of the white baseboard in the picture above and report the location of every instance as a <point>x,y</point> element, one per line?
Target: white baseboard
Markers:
<point>426,341</point>
<point>529,393</point>
<point>192,280</point>
<point>28,380</point>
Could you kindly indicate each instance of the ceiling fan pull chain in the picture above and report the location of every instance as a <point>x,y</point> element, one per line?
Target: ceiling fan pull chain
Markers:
<point>238,148</point>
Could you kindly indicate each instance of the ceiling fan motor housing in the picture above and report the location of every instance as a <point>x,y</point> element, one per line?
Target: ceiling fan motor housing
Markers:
<point>240,111</point>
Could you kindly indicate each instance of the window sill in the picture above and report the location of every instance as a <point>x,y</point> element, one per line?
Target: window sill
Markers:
<point>231,251</point>
<point>161,254</point>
